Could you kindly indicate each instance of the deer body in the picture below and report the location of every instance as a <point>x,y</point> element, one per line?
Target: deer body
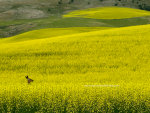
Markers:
<point>29,80</point>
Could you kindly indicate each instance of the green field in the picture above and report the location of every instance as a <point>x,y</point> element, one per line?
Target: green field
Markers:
<point>104,17</point>
<point>76,69</point>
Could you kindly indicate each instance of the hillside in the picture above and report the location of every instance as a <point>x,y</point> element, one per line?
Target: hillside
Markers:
<point>28,9</point>
<point>52,32</point>
<point>18,16</point>
<point>114,45</point>
<point>131,17</point>
<point>93,62</point>
<point>110,66</point>
<point>108,13</point>
<point>118,48</point>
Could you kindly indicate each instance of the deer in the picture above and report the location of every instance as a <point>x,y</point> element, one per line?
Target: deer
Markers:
<point>28,79</point>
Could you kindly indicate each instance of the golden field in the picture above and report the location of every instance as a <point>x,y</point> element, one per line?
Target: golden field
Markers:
<point>76,70</point>
<point>108,13</point>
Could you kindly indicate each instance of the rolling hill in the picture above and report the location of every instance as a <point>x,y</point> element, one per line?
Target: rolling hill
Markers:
<point>62,65</point>
<point>139,17</point>
<point>52,32</point>
<point>54,42</point>
<point>80,68</point>
<point>119,48</point>
<point>109,13</point>
<point>19,16</point>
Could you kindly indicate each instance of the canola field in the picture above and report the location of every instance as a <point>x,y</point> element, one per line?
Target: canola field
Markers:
<point>108,13</point>
<point>76,70</point>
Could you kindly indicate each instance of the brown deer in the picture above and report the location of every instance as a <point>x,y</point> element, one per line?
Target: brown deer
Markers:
<point>28,79</point>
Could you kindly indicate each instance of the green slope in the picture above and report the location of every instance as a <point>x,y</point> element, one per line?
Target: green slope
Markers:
<point>14,27</point>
